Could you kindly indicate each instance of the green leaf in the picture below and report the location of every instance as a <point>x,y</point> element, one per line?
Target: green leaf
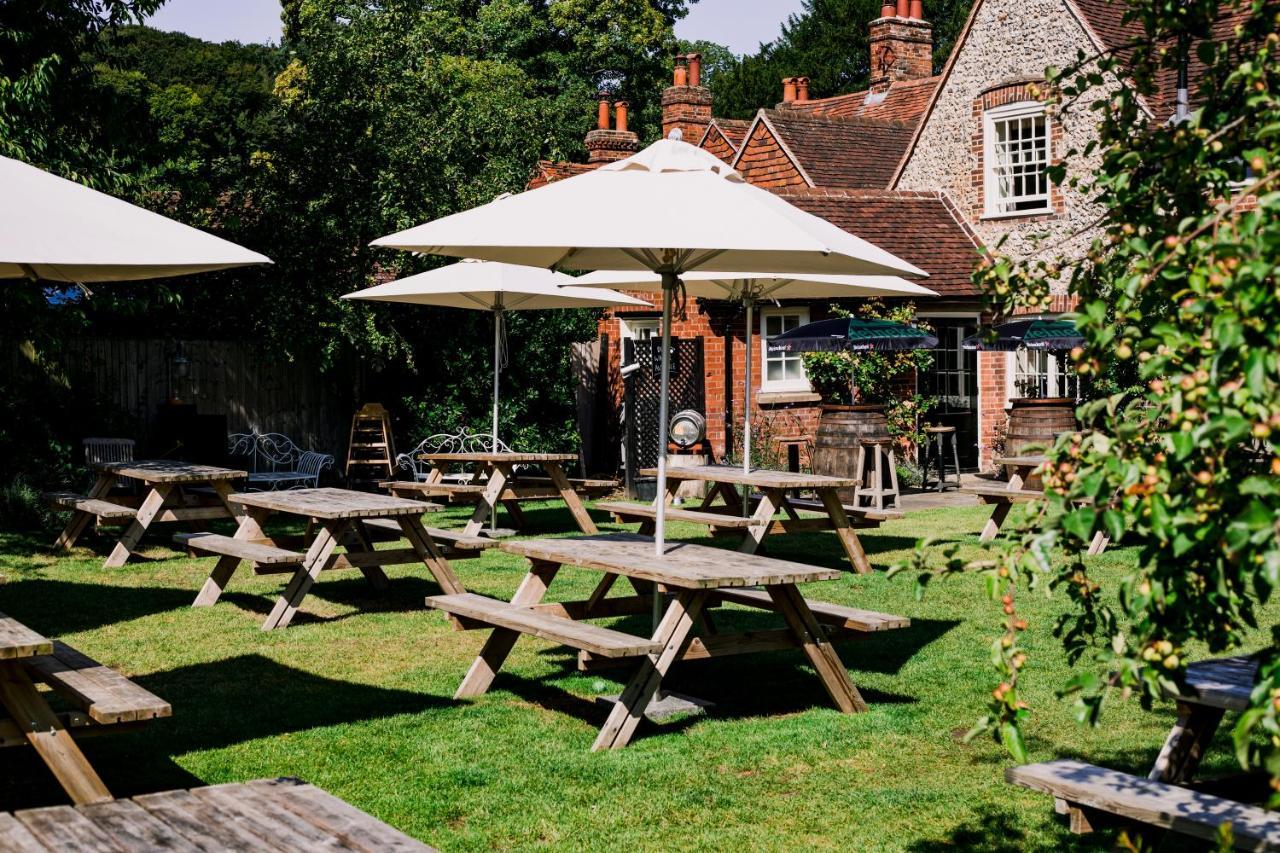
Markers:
<point>1011,737</point>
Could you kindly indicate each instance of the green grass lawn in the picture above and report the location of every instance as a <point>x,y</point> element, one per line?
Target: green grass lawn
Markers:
<point>356,697</point>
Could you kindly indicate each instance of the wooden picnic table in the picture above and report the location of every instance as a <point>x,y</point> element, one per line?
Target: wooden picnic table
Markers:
<point>341,517</point>
<point>267,814</point>
<point>167,497</point>
<point>774,497</point>
<point>104,700</point>
<point>693,578</point>
<point>1024,485</point>
<point>494,481</point>
<point>1167,797</point>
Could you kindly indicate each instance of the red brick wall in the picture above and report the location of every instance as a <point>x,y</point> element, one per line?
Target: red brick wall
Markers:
<point>993,398</point>
<point>763,161</point>
<point>901,49</point>
<point>688,108</point>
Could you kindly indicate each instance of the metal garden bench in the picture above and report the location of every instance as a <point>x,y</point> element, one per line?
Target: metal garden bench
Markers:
<point>275,462</point>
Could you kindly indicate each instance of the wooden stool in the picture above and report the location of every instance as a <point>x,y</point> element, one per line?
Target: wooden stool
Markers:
<point>871,478</point>
<point>936,439</point>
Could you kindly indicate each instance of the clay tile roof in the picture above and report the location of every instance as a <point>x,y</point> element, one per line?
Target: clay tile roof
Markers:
<point>548,172</point>
<point>923,228</point>
<point>1106,19</point>
<point>905,101</point>
<point>842,152</point>
<point>734,130</point>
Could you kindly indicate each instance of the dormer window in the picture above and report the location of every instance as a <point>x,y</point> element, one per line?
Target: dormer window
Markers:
<point>1016,157</point>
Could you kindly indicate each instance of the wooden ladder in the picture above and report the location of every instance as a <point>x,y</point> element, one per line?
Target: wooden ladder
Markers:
<point>371,451</point>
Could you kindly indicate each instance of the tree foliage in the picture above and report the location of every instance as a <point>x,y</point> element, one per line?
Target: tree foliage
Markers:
<point>1180,293</point>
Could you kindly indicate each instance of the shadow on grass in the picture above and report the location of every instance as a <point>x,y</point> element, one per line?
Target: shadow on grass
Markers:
<point>63,607</point>
<point>215,705</point>
<point>999,830</point>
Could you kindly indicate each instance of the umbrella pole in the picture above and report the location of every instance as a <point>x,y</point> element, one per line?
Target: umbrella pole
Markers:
<point>669,284</point>
<point>497,369</point>
<point>746,412</point>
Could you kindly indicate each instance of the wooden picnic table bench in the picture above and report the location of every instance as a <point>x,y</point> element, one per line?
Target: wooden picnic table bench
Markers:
<point>495,481</point>
<point>1023,486</point>
<point>692,578</point>
<point>268,814</point>
<point>172,492</point>
<point>775,495</point>
<point>104,700</point>
<point>342,518</point>
<point>1163,799</point>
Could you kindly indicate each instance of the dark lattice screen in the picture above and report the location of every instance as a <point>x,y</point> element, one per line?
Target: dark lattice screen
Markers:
<point>686,388</point>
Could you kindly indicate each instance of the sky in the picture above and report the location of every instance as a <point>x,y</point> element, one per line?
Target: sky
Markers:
<point>739,24</point>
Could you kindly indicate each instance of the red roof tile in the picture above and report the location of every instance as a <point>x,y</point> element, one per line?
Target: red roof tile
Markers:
<point>923,228</point>
<point>848,153</point>
<point>734,129</point>
<point>905,101</point>
<point>548,172</point>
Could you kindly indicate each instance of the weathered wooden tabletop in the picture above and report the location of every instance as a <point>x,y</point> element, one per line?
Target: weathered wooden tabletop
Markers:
<point>681,565</point>
<point>331,503</point>
<point>511,458</point>
<point>1022,461</point>
<point>761,478</point>
<point>170,471</point>
<point>269,814</point>
<point>1223,683</point>
<point>19,641</point>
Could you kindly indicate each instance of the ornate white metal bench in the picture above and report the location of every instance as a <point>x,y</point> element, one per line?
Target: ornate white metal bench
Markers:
<point>274,461</point>
<point>465,441</point>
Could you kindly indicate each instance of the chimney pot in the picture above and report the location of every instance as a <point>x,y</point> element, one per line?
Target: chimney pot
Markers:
<point>886,11</point>
<point>602,116</point>
<point>917,9</point>
<point>620,116</point>
<point>802,88</point>
<point>681,77</point>
<point>695,69</point>
<point>788,89</point>
<point>904,8</point>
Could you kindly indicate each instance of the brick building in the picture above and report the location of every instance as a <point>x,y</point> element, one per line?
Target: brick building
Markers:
<point>928,166</point>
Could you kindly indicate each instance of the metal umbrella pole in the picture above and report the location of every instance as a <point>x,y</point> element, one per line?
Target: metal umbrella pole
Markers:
<point>670,281</point>
<point>498,320</point>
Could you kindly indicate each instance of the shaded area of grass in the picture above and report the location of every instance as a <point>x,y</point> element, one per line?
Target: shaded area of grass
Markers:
<point>356,697</point>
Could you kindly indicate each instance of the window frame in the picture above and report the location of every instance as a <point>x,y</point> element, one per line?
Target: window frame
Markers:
<point>991,203</point>
<point>781,385</point>
<point>1058,375</point>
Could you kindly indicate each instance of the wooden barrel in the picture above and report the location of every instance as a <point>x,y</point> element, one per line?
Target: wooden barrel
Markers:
<point>1035,424</point>
<point>840,429</point>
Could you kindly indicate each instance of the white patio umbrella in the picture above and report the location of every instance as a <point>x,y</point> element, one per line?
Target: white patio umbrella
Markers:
<point>750,288</point>
<point>670,209</point>
<point>52,229</point>
<point>497,288</point>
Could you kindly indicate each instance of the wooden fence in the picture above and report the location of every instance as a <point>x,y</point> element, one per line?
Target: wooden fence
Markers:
<point>131,378</point>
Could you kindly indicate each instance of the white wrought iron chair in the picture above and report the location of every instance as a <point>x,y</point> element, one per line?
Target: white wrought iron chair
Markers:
<point>275,462</point>
<point>443,442</point>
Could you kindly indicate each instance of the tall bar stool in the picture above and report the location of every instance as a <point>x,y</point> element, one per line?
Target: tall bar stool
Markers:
<point>936,440</point>
<point>871,477</point>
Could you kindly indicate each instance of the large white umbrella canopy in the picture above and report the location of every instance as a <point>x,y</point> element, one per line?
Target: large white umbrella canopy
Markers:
<point>497,288</point>
<point>750,288</point>
<point>52,229</point>
<point>670,209</point>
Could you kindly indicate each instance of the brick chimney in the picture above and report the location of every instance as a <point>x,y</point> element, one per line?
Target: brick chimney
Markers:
<point>605,145</point>
<point>686,104</point>
<point>901,44</point>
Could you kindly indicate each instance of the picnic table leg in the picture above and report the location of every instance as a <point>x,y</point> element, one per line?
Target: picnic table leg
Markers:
<point>80,520</point>
<point>250,529</point>
<point>359,541</point>
<point>674,632</point>
<point>151,507</point>
<point>501,640</point>
<point>317,555</point>
<point>844,531</point>
<point>570,497</point>
<point>992,528</point>
<point>488,503</point>
<point>224,492</point>
<point>813,640</point>
<point>429,553</point>
<point>1186,744</point>
<point>762,519</point>
<point>1098,544</point>
<point>53,743</point>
